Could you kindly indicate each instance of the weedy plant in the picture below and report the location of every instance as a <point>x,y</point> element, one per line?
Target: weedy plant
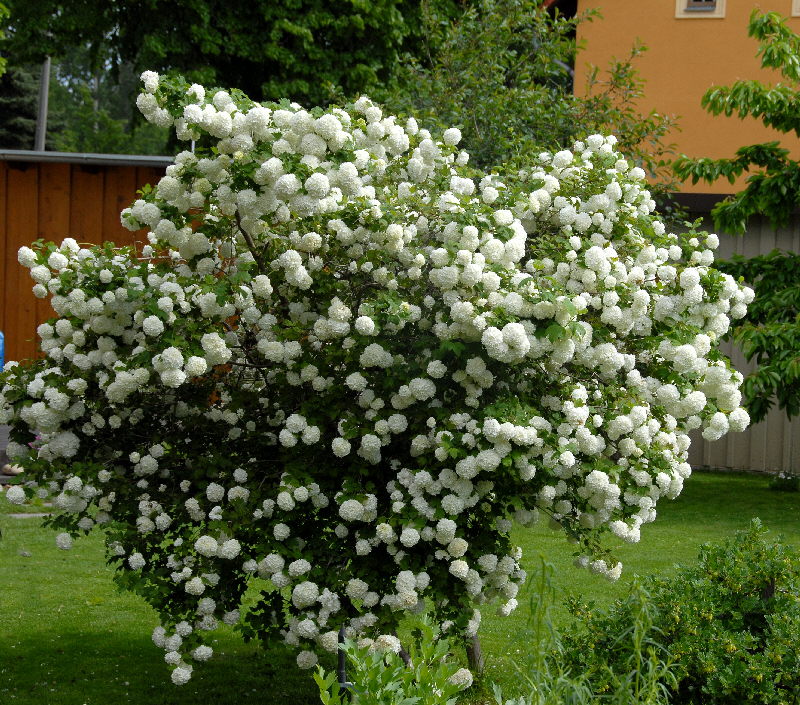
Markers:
<point>552,677</point>
<point>380,676</point>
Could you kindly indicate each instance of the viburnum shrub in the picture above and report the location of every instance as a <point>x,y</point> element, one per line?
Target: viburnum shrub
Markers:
<point>345,362</point>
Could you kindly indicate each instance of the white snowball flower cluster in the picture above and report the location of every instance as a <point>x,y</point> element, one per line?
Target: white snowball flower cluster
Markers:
<point>344,363</point>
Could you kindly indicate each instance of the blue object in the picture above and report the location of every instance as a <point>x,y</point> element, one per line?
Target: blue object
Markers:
<point>2,350</point>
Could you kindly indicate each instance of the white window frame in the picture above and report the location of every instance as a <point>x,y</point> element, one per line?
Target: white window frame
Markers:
<point>718,12</point>
<point>795,8</point>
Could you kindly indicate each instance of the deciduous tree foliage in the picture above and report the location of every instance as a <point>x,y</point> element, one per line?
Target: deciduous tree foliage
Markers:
<point>513,58</point>
<point>770,334</point>
<point>293,48</point>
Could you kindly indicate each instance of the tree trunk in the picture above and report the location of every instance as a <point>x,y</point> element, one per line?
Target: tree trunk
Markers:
<point>404,654</point>
<point>475,655</point>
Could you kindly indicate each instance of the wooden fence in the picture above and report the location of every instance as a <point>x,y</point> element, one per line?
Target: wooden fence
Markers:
<point>77,196</point>
<point>80,197</point>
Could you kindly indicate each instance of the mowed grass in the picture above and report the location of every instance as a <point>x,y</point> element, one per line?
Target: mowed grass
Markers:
<point>67,637</point>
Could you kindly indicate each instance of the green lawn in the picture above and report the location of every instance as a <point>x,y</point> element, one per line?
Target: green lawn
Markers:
<point>68,638</point>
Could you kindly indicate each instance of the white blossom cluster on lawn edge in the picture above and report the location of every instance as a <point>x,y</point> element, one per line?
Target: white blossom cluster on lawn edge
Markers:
<point>345,362</point>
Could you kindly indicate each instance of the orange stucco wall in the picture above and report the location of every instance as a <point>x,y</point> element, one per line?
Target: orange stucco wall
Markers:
<point>685,57</point>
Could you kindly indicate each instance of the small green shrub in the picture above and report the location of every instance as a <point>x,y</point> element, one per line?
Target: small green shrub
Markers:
<point>783,482</point>
<point>731,624</point>
<point>379,676</point>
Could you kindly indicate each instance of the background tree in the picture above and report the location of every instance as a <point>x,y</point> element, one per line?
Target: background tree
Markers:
<point>19,95</point>
<point>770,333</point>
<point>307,50</point>
<point>3,16</point>
<point>98,109</point>
<point>513,58</point>
<point>296,50</point>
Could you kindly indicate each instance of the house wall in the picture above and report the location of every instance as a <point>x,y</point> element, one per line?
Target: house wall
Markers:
<point>53,201</point>
<point>685,57</point>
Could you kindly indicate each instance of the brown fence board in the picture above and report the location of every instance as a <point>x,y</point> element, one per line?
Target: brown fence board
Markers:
<point>54,209</point>
<point>86,213</point>
<point>53,200</point>
<point>22,210</point>
<point>4,249</point>
<point>119,192</point>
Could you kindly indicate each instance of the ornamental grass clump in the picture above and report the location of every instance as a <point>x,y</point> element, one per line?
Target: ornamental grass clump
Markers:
<point>345,362</point>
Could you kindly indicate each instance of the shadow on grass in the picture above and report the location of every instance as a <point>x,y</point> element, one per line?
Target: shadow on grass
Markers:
<point>95,668</point>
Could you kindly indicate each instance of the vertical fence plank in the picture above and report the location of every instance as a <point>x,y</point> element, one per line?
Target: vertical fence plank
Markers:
<point>86,211</point>
<point>754,243</point>
<point>22,210</point>
<point>119,191</point>
<point>739,445</point>
<point>5,246</point>
<point>54,210</point>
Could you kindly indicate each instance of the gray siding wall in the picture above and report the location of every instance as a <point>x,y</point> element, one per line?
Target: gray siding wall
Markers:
<point>774,444</point>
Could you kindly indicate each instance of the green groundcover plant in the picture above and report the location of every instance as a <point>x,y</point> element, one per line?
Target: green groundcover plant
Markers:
<point>345,362</point>
<point>730,625</point>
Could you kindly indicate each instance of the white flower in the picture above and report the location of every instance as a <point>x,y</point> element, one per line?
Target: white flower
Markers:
<point>63,541</point>
<point>215,492</point>
<point>16,495</point>
<point>365,325</point>
<point>340,447</point>
<point>195,586</point>
<point>206,546</point>
<point>150,80</point>
<point>409,537</point>
<point>461,678</point>
<point>351,510</point>
<point>386,642</point>
<point>305,594</point>
<point>452,136</point>
<point>459,569</point>
<point>229,549</point>
<point>195,366</point>
<point>306,659</point>
<point>202,653</point>
<point>152,326</point>
<point>182,675</point>
<point>299,567</point>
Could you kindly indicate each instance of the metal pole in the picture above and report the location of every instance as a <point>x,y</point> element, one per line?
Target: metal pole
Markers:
<point>41,119</point>
<point>344,684</point>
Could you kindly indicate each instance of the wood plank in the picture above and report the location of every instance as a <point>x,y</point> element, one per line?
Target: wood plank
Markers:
<point>5,253</point>
<point>86,210</point>
<point>119,192</point>
<point>54,210</point>
<point>696,449</point>
<point>22,210</point>
<point>739,443</point>
<point>54,200</point>
<point>774,433</point>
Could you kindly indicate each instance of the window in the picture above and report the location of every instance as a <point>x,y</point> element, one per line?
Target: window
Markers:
<point>795,8</point>
<point>701,5</point>
<point>699,9</point>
